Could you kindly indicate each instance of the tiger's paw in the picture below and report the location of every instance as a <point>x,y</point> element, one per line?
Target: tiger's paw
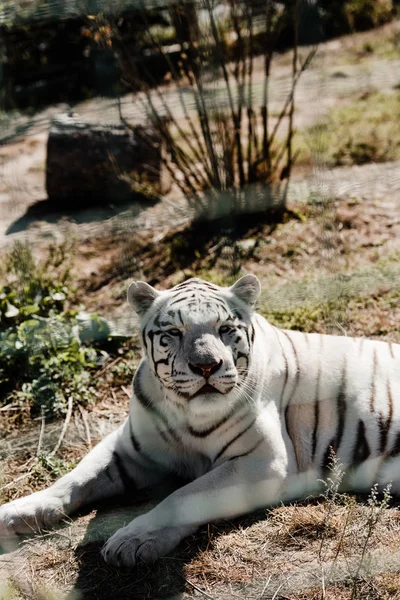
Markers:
<point>131,545</point>
<point>29,514</point>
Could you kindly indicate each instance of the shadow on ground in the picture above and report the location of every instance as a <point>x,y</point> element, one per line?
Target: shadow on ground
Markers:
<point>98,581</point>
<point>166,579</point>
<point>78,212</point>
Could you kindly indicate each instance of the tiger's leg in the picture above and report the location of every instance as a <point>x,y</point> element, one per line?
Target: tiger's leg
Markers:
<point>115,466</point>
<point>236,487</point>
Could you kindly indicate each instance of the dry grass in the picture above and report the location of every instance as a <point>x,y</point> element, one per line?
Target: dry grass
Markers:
<point>335,264</point>
<point>292,551</point>
<point>295,547</point>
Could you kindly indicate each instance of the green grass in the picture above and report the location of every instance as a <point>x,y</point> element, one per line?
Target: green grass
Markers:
<point>329,300</point>
<point>365,130</point>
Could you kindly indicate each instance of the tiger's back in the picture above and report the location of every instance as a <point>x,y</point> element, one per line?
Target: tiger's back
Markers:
<point>250,414</point>
<point>340,395</point>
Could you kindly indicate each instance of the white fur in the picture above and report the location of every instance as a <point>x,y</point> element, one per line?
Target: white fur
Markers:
<point>260,438</point>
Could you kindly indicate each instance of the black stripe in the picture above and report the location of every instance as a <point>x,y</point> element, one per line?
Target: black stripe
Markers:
<point>297,366</point>
<point>316,413</point>
<point>134,440</point>
<point>166,324</point>
<point>205,432</point>
<point>373,381</point>
<point>384,425</point>
<point>108,474</point>
<point>148,405</point>
<point>395,450</point>
<point>144,337</point>
<point>341,407</point>
<point>140,395</point>
<point>159,415</point>
<point>226,446</point>
<point>138,447</point>
<point>127,481</point>
<point>247,334</point>
<point>361,449</point>
<point>249,451</point>
<point>195,282</point>
<point>341,411</point>
<point>286,365</point>
<point>151,338</point>
<point>177,301</point>
<point>164,436</point>
<point>291,433</point>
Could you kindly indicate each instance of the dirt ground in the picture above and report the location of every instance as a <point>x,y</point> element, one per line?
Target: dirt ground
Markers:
<point>330,265</point>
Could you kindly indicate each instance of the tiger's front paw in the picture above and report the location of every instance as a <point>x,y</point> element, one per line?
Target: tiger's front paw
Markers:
<point>38,511</point>
<point>132,544</point>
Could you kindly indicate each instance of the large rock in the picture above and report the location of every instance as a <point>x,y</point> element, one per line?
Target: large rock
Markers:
<point>91,163</point>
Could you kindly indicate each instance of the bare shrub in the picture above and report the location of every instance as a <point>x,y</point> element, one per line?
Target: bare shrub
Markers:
<point>228,152</point>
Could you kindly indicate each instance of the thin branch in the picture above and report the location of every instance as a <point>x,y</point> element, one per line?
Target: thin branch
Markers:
<point>14,481</point>
<point>201,155</point>
<point>64,428</point>
<point>86,425</point>
<point>195,587</point>
<point>43,422</point>
<point>239,74</point>
<point>179,154</point>
<point>288,100</point>
<point>197,86</point>
<point>187,191</point>
<point>222,64</point>
<point>250,174</point>
<point>289,142</point>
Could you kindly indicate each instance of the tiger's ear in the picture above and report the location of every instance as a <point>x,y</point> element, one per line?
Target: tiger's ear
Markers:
<point>247,289</point>
<point>141,296</point>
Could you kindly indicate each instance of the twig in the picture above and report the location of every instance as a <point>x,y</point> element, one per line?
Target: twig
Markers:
<point>65,426</point>
<point>222,63</point>
<point>199,154</point>
<point>289,142</point>
<point>86,424</point>
<point>195,587</point>
<point>127,392</point>
<point>39,446</point>
<point>265,587</point>
<point>108,366</point>
<point>279,588</point>
<point>187,167</point>
<point>14,481</point>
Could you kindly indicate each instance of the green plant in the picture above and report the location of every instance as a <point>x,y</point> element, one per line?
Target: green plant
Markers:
<point>364,130</point>
<point>363,14</point>
<point>48,350</point>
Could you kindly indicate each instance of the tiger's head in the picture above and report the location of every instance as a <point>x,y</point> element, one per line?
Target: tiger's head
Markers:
<point>197,337</point>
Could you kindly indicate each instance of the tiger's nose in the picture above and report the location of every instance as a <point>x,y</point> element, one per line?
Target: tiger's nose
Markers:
<point>205,369</point>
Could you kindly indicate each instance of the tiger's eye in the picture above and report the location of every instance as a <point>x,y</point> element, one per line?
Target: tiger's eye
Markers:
<point>224,329</point>
<point>174,331</point>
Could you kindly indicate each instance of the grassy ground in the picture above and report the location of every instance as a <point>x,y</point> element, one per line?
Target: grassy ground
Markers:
<point>329,265</point>
<point>330,268</point>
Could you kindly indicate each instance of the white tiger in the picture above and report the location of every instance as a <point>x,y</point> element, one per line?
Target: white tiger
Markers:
<point>246,412</point>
